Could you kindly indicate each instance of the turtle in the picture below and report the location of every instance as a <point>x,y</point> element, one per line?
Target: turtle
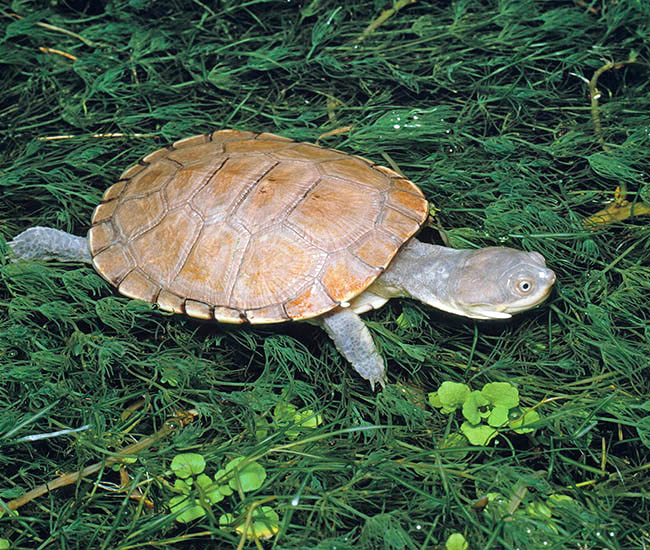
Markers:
<point>242,227</point>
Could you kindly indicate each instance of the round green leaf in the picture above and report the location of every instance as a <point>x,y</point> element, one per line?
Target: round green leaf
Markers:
<point>283,413</point>
<point>472,407</point>
<point>501,394</point>
<point>498,417</point>
<point>249,478</point>
<point>455,441</point>
<point>539,510</point>
<point>478,434</point>
<point>187,464</point>
<point>221,478</point>
<point>183,486</point>
<point>561,500</point>
<point>456,541</point>
<point>434,400</point>
<point>452,395</point>
<point>189,508</point>
<point>265,524</point>
<point>307,419</point>
<point>529,416</point>
<point>4,544</point>
<point>210,489</point>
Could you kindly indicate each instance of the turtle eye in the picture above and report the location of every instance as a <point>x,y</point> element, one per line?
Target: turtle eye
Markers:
<point>524,286</point>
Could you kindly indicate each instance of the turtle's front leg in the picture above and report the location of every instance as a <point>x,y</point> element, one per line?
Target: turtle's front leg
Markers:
<point>354,341</point>
<point>45,243</point>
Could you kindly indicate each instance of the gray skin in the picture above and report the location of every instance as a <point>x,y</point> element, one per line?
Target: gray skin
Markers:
<point>487,283</point>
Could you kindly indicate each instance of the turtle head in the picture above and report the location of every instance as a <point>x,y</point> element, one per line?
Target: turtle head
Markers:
<point>495,283</point>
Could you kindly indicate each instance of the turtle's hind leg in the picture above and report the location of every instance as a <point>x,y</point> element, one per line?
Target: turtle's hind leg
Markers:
<point>45,243</point>
<point>354,341</point>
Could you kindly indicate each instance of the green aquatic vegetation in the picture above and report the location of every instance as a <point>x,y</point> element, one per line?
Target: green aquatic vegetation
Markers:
<point>198,492</point>
<point>496,405</point>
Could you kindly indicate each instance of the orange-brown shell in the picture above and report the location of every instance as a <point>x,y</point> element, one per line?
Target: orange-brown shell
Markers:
<point>237,226</point>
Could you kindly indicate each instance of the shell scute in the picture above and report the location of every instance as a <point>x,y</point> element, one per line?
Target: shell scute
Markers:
<point>335,213</point>
<point>212,281</point>
<point>276,265</point>
<point>277,192</point>
<point>229,185</point>
<point>354,169</point>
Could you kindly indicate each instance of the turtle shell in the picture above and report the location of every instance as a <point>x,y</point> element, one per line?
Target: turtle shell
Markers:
<point>243,227</point>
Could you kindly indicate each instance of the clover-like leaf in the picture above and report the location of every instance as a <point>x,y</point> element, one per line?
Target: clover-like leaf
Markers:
<point>265,524</point>
<point>262,428</point>
<point>210,489</point>
<point>456,541</point>
<point>502,394</point>
<point>308,419</point>
<point>283,413</point>
<point>189,508</point>
<point>526,417</point>
<point>450,396</point>
<point>472,407</point>
<point>221,478</point>
<point>478,434</point>
<point>185,465</point>
<point>250,477</point>
<point>183,485</point>
<point>4,544</point>
<point>498,417</point>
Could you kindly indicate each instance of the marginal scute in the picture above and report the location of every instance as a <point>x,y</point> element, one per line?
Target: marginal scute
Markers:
<point>136,285</point>
<point>113,263</point>
<point>156,155</point>
<point>306,152</point>
<point>243,227</point>
<point>199,310</point>
<point>310,302</point>
<point>229,315</point>
<point>132,171</point>
<point>168,301</point>
<point>114,191</point>
<point>376,248</point>
<point>104,211</point>
<point>191,141</point>
<point>196,153</point>
<point>356,170</point>
<point>222,136</point>
<point>399,224</point>
<point>255,147</point>
<point>265,315</point>
<point>408,203</point>
<point>274,137</point>
<point>101,236</point>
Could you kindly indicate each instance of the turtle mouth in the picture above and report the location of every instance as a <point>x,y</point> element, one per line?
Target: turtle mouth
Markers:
<point>505,311</point>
